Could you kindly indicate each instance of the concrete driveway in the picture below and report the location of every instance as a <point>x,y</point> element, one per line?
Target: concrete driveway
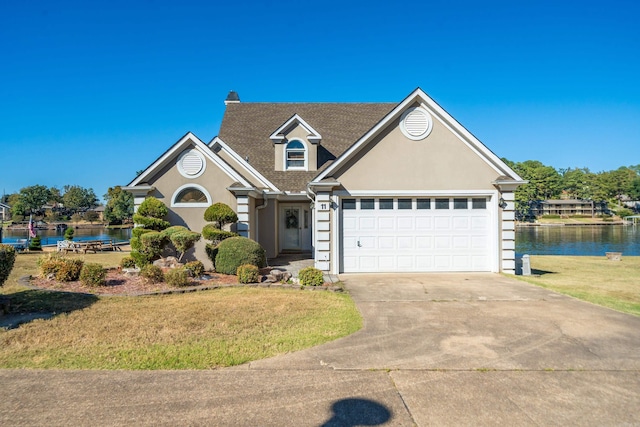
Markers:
<point>436,349</point>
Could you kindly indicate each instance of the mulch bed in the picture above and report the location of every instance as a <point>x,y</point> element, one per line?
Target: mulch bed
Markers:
<point>119,284</point>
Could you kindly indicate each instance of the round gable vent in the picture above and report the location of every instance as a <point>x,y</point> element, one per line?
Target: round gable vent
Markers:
<point>191,164</point>
<point>416,124</point>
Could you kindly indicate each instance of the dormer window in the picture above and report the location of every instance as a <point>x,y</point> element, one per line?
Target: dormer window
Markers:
<point>296,155</point>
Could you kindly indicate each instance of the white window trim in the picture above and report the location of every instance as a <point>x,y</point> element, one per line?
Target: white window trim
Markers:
<point>306,156</point>
<point>181,169</point>
<point>206,204</point>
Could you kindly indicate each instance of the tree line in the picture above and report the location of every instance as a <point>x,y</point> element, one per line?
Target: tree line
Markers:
<point>73,202</point>
<point>546,182</point>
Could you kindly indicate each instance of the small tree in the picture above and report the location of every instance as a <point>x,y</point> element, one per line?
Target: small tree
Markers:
<point>147,239</point>
<point>220,215</point>
<point>183,241</point>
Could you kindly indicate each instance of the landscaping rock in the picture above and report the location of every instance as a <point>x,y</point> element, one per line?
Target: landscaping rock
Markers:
<point>131,272</point>
<point>168,262</point>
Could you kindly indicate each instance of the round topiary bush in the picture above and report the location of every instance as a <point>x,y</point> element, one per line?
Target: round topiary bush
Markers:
<point>310,276</point>
<point>127,262</point>
<point>93,274</point>
<point>7,259</point>
<point>248,273</point>
<point>152,273</point>
<point>195,267</point>
<point>177,277</point>
<point>235,251</point>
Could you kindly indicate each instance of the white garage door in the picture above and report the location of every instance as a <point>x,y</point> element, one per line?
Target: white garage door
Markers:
<point>416,234</point>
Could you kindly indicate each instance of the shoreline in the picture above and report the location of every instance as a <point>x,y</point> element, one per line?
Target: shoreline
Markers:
<point>569,224</point>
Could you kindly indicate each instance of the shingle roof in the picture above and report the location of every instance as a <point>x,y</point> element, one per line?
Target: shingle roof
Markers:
<point>246,128</point>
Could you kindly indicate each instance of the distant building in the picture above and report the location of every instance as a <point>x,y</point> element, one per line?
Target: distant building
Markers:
<point>5,212</point>
<point>570,207</point>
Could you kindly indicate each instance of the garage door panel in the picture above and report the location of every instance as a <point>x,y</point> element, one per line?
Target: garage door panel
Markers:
<point>461,242</point>
<point>405,263</point>
<point>442,223</point>
<point>461,223</point>
<point>386,242</point>
<point>405,223</point>
<point>424,223</point>
<point>366,223</point>
<point>405,242</point>
<point>443,242</point>
<point>386,223</point>
<point>415,239</point>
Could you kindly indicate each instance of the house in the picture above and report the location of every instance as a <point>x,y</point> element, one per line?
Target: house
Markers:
<point>5,212</point>
<point>363,187</point>
<point>569,207</point>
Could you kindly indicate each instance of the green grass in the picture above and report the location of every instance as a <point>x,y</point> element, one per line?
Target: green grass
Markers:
<point>202,330</point>
<point>613,284</point>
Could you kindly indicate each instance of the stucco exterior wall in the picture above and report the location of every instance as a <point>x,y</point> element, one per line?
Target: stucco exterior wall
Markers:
<point>214,180</point>
<point>439,162</point>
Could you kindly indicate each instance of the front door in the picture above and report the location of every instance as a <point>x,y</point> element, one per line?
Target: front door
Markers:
<point>295,230</point>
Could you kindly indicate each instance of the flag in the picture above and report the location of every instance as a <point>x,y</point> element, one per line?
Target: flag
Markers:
<point>32,230</point>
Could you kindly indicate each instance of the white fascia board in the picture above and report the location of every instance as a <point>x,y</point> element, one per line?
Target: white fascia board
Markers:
<point>417,193</point>
<point>314,137</point>
<point>170,154</point>
<point>257,175</point>
<point>452,124</point>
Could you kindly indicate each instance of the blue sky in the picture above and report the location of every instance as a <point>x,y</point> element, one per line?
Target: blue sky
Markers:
<point>91,92</point>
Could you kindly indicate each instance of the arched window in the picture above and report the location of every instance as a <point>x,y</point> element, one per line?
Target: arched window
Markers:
<point>191,195</point>
<point>296,155</point>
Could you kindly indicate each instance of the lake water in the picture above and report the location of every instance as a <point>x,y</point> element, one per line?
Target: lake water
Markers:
<point>578,240</point>
<point>51,237</point>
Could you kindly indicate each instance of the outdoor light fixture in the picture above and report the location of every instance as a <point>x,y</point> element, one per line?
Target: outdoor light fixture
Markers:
<point>502,203</point>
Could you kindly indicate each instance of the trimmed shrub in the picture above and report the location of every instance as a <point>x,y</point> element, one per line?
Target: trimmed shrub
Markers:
<point>140,259</point>
<point>68,269</point>
<point>168,232</point>
<point>220,214</point>
<point>152,244</point>
<point>152,207</point>
<point>235,251</point>
<point>210,232</point>
<point>150,223</point>
<point>68,233</point>
<point>152,273</point>
<point>48,263</point>
<point>135,237</point>
<point>127,262</point>
<point>310,276</point>
<point>248,273</point>
<point>184,240</point>
<point>63,269</point>
<point>177,277</point>
<point>35,244</point>
<point>195,267</point>
<point>7,259</point>
<point>93,274</point>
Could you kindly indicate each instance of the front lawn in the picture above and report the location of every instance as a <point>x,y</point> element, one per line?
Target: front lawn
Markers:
<point>200,330</point>
<point>613,284</point>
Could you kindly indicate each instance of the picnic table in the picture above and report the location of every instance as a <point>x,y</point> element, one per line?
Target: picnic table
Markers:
<point>85,246</point>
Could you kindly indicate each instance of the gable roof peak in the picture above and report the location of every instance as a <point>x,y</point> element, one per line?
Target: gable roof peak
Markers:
<point>232,97</point>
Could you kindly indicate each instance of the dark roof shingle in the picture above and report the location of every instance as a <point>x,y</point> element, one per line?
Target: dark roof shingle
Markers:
<point>246,128</point>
